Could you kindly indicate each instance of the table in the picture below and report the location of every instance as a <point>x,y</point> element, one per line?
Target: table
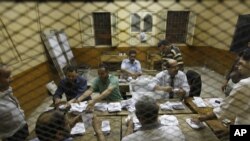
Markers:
<point>216,125</point>
<point>115,134</point>
<point>204,134</point>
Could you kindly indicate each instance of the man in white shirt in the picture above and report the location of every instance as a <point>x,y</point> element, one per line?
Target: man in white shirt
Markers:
<point>131,66</point>
<point>172,81</point>
<point>151,130</point>
<point>237,104</point>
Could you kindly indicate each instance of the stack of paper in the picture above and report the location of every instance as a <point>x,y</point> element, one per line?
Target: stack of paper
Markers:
<point>166,106</point>
<point>106,127</point>
<point>177,105</point>
<point>78,129</point>
<point>213,102</point>
<point>195,125</point>
<point>101,107</point>
<point>198,101</point>
<point>128,104</point>
<point>172,105</point>
<point>168,120</point>
<point>78,107</point>
<point>114,107</point>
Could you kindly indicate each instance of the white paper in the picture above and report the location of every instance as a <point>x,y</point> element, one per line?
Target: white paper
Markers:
<point>101,107</point>
<point>198,101</point>
<point>106,127</point>
<point>166,106</point>
<point>168,120</point>
<point>194,125</point>
<point>213,102</point>
<point>137,123</point>
<point>79,128</point>
<point>114,107</point>
<point>177,105</point>
<point>78,107</point>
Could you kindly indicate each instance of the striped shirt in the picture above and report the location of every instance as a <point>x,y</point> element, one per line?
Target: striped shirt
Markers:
<point>174,53</point>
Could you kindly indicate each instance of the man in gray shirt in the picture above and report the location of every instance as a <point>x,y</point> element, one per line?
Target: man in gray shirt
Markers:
<point>13,126</point>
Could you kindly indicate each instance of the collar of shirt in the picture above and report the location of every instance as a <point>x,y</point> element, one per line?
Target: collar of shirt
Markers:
<point>150,126</point>
<point>6,92</point>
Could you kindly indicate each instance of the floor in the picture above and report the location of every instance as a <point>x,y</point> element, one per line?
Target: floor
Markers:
<point>211,87</point>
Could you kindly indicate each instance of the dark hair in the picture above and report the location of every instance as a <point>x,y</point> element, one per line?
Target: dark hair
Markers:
<point>163,42</point>
<point>103,66</point>
<point>70,68</point>
<point>147,109</point>
<point>131,52</point>
<point>49,123</point>
<point>246,54</point>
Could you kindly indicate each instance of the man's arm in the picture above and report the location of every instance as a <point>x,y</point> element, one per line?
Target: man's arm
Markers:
<point>163,88</point>
<point>85,94</point>
<point>58,94</point>
<point>97,128</point>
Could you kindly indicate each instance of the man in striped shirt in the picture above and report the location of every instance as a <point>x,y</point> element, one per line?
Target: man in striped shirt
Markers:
<point>169,51</point>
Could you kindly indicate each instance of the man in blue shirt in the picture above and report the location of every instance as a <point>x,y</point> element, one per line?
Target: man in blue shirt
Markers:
<point>131,66</point>
<point>73,86</point>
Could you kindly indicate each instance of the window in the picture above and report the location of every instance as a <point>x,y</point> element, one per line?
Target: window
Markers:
<point>177,26</point>
<point>102,28</point>
<point>141,21</point>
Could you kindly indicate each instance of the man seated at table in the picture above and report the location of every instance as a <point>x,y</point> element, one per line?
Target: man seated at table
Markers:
<point>147,113</point>
<point>54,126</point>
<point>73,86</point>
<point>107,85</point>
<point>131,67</point>
<point>171,80</point>
<point>236,105</point>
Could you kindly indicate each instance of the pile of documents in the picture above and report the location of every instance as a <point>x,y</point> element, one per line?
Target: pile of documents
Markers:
<point>114,107</point>
<point>79,128</point>
<point>168,120</point>
<point>78,107</point>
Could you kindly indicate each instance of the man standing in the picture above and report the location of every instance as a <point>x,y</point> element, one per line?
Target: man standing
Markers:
<point>13,126</point>
<point>131,66</point>
<point>169,51</point>
<point>73,86</point>
<point>236,105</point>
<point>107,85</point>
<point>171,80</point>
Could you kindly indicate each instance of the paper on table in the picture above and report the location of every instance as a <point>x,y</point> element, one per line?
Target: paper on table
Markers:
<point>198,101</point>
<point>114,107</point>
<point>177,105</point>
<point>166,106</point>
<point>169,120</point>
<point>137,123</point>
<point>101,107</point>
<point>106,127</point>
<point>194,125</point>
<point>78,129</point>
<point>75,107</point>
<point>213,102</point>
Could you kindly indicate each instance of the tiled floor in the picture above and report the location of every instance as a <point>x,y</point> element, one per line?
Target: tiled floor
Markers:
<point>211,87</point>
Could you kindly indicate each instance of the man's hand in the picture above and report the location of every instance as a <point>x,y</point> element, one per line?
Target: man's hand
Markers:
<point>168,89</point>
<point>90,107</point>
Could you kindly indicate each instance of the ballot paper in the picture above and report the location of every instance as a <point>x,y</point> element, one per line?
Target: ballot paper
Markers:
<point>168,120</point>
<point>126,103</point>
<point>114,107</point>
<point>198,101</point>
<point>87,119</point>
<point>106,127</point>
<point>79,128</point>
<point>177,105</point>
<point>166,106</point>
<point>172,105</point>
<point>195,125</point>
<point>101,107</point>
<point>78,107</point>
<point>213,102</point>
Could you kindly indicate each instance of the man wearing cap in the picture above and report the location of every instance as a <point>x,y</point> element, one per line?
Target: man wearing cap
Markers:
<point>169,51</point>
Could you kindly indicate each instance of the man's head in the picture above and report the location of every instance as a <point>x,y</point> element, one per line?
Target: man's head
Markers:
<point>172,66</point>
<point>71,73</point>
<point>146,110</point>
<point>5,77</point>
<point>132,55</point>
<point>244,63</point>
<point>103,72</point>
<point>52,126</point>
<point>164,45</point>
